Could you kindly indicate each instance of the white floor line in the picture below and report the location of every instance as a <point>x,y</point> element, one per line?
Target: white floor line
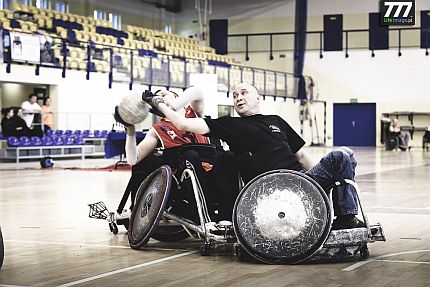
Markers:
<point>390,169</point>
<point>126,269</point>
<point>400,261</point>
<point>397,207</point>
<point>88,245</point>
<point>361,263</point>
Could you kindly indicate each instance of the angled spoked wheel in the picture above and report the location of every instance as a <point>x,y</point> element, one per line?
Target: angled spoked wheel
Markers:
<point>282,217</point>
<point>151,200</point>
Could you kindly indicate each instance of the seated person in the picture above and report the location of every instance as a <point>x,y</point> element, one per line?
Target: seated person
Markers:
<point>404,136</point>
<point>6,122</point>
<point>262,143</point>
<point>14,125</point>
<point>165,135</point>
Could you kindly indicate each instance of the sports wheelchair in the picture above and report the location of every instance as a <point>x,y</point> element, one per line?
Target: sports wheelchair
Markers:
<point>279,217</point>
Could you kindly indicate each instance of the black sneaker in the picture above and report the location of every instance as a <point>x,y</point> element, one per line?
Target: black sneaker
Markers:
<point>347,222</point>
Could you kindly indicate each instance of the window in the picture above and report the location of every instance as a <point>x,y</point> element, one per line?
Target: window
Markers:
<point>99,15</point>
<point>168,29</point>
<point>43,4</point>
<point>6,4</point>
<point>115,19</point>
<point>25,2</point>
<point>62,7</point>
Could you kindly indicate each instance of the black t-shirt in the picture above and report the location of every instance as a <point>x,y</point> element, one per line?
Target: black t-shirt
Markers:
<point>260,143</point>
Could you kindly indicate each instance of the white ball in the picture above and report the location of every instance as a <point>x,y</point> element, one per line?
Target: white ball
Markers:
<point>132,109</point>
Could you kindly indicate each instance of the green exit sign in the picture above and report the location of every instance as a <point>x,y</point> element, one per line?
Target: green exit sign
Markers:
<point>353,100</point>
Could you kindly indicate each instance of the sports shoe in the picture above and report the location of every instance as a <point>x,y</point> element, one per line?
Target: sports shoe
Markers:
<point>347,222</point>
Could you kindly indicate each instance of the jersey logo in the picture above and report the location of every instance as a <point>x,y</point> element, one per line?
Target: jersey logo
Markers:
<point>274,129</point>
<point>172,134</point>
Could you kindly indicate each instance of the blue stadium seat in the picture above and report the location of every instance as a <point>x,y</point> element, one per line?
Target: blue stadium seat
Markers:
<point>36,141</point>
<point>59,133</point>
<point>13,141</point>
<point>47,141</point>
<point>79,140</point>
<point>57,140</point>
<point>96,133</point>
<point>49,132</point>
<point>68,140</point>
<point>68,133</point>
<point>25,141</point>
<point>86,133</point>
<point>77,133</point>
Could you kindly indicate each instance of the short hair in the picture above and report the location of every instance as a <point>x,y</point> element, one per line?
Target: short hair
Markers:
<point>158,91</point>
<point>31,95</point>
<point>45,100</point>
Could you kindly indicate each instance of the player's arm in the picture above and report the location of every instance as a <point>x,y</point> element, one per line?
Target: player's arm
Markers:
<point>304,158</point>
<point>136,153</point>
<point>195,125</point>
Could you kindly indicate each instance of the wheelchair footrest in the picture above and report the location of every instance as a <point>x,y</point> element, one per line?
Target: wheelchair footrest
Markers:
<point>377,232</point>
<point>98,210</point>
<point>354,236</point>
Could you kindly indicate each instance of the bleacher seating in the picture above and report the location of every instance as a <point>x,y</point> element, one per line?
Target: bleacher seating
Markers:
<point>59,143</point>
<point>76,27</point>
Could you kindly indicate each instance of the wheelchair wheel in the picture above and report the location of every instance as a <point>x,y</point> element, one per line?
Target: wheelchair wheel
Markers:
<point>282,217</point>
<point>1,249</point>
<point>150,202</point>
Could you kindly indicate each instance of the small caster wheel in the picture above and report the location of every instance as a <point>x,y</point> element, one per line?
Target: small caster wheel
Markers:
<point>205,249</point>
<point>364,252</point>
<point>113,228</point>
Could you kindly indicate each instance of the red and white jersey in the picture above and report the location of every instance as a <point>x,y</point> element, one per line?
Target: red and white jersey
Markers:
<point>171,137</point>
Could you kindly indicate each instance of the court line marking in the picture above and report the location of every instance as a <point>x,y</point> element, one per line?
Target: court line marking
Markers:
<point>125,269</point>
<point>398,207</point>
<point>90,245</point>
<point>361,263</point>
<point>400,261</point>
<point>1,285</point>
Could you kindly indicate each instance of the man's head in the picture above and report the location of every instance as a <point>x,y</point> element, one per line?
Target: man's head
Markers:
<point>32,98</point>
<point>168,96</point>
<point>395,122</point>
<point>246,100</point>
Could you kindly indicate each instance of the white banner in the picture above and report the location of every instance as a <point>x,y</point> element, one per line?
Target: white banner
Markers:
<point>25,47</point>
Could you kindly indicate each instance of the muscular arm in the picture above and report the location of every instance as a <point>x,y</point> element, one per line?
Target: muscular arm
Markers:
<point>145,147</point>
<point>195,125</point>
<point>304,159</point>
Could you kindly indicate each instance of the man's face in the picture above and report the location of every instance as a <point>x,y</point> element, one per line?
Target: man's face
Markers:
<point>246,100</point>
<point>33,99</point>
<point>19,113</point>
<point>168,96</point>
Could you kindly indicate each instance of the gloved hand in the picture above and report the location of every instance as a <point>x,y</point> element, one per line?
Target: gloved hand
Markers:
<point>118,118</point>
<point>153,100</point>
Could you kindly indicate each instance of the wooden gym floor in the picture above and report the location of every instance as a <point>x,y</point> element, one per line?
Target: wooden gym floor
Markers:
<point>50,241</point>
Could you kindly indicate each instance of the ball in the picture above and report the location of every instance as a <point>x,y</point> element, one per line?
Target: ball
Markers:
<point>132,109</point>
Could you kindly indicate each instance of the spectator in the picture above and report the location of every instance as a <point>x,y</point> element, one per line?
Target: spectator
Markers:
<point>47,114</point>
<point>404,136</point>
<point>19,127</point>
<point>6,122</point>
<point>29,108</point>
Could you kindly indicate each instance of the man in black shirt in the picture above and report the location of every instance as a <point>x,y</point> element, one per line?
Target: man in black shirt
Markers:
<point>266,142</point>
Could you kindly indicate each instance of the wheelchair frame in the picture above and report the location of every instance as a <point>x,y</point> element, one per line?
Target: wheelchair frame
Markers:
<point>340,244</point>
